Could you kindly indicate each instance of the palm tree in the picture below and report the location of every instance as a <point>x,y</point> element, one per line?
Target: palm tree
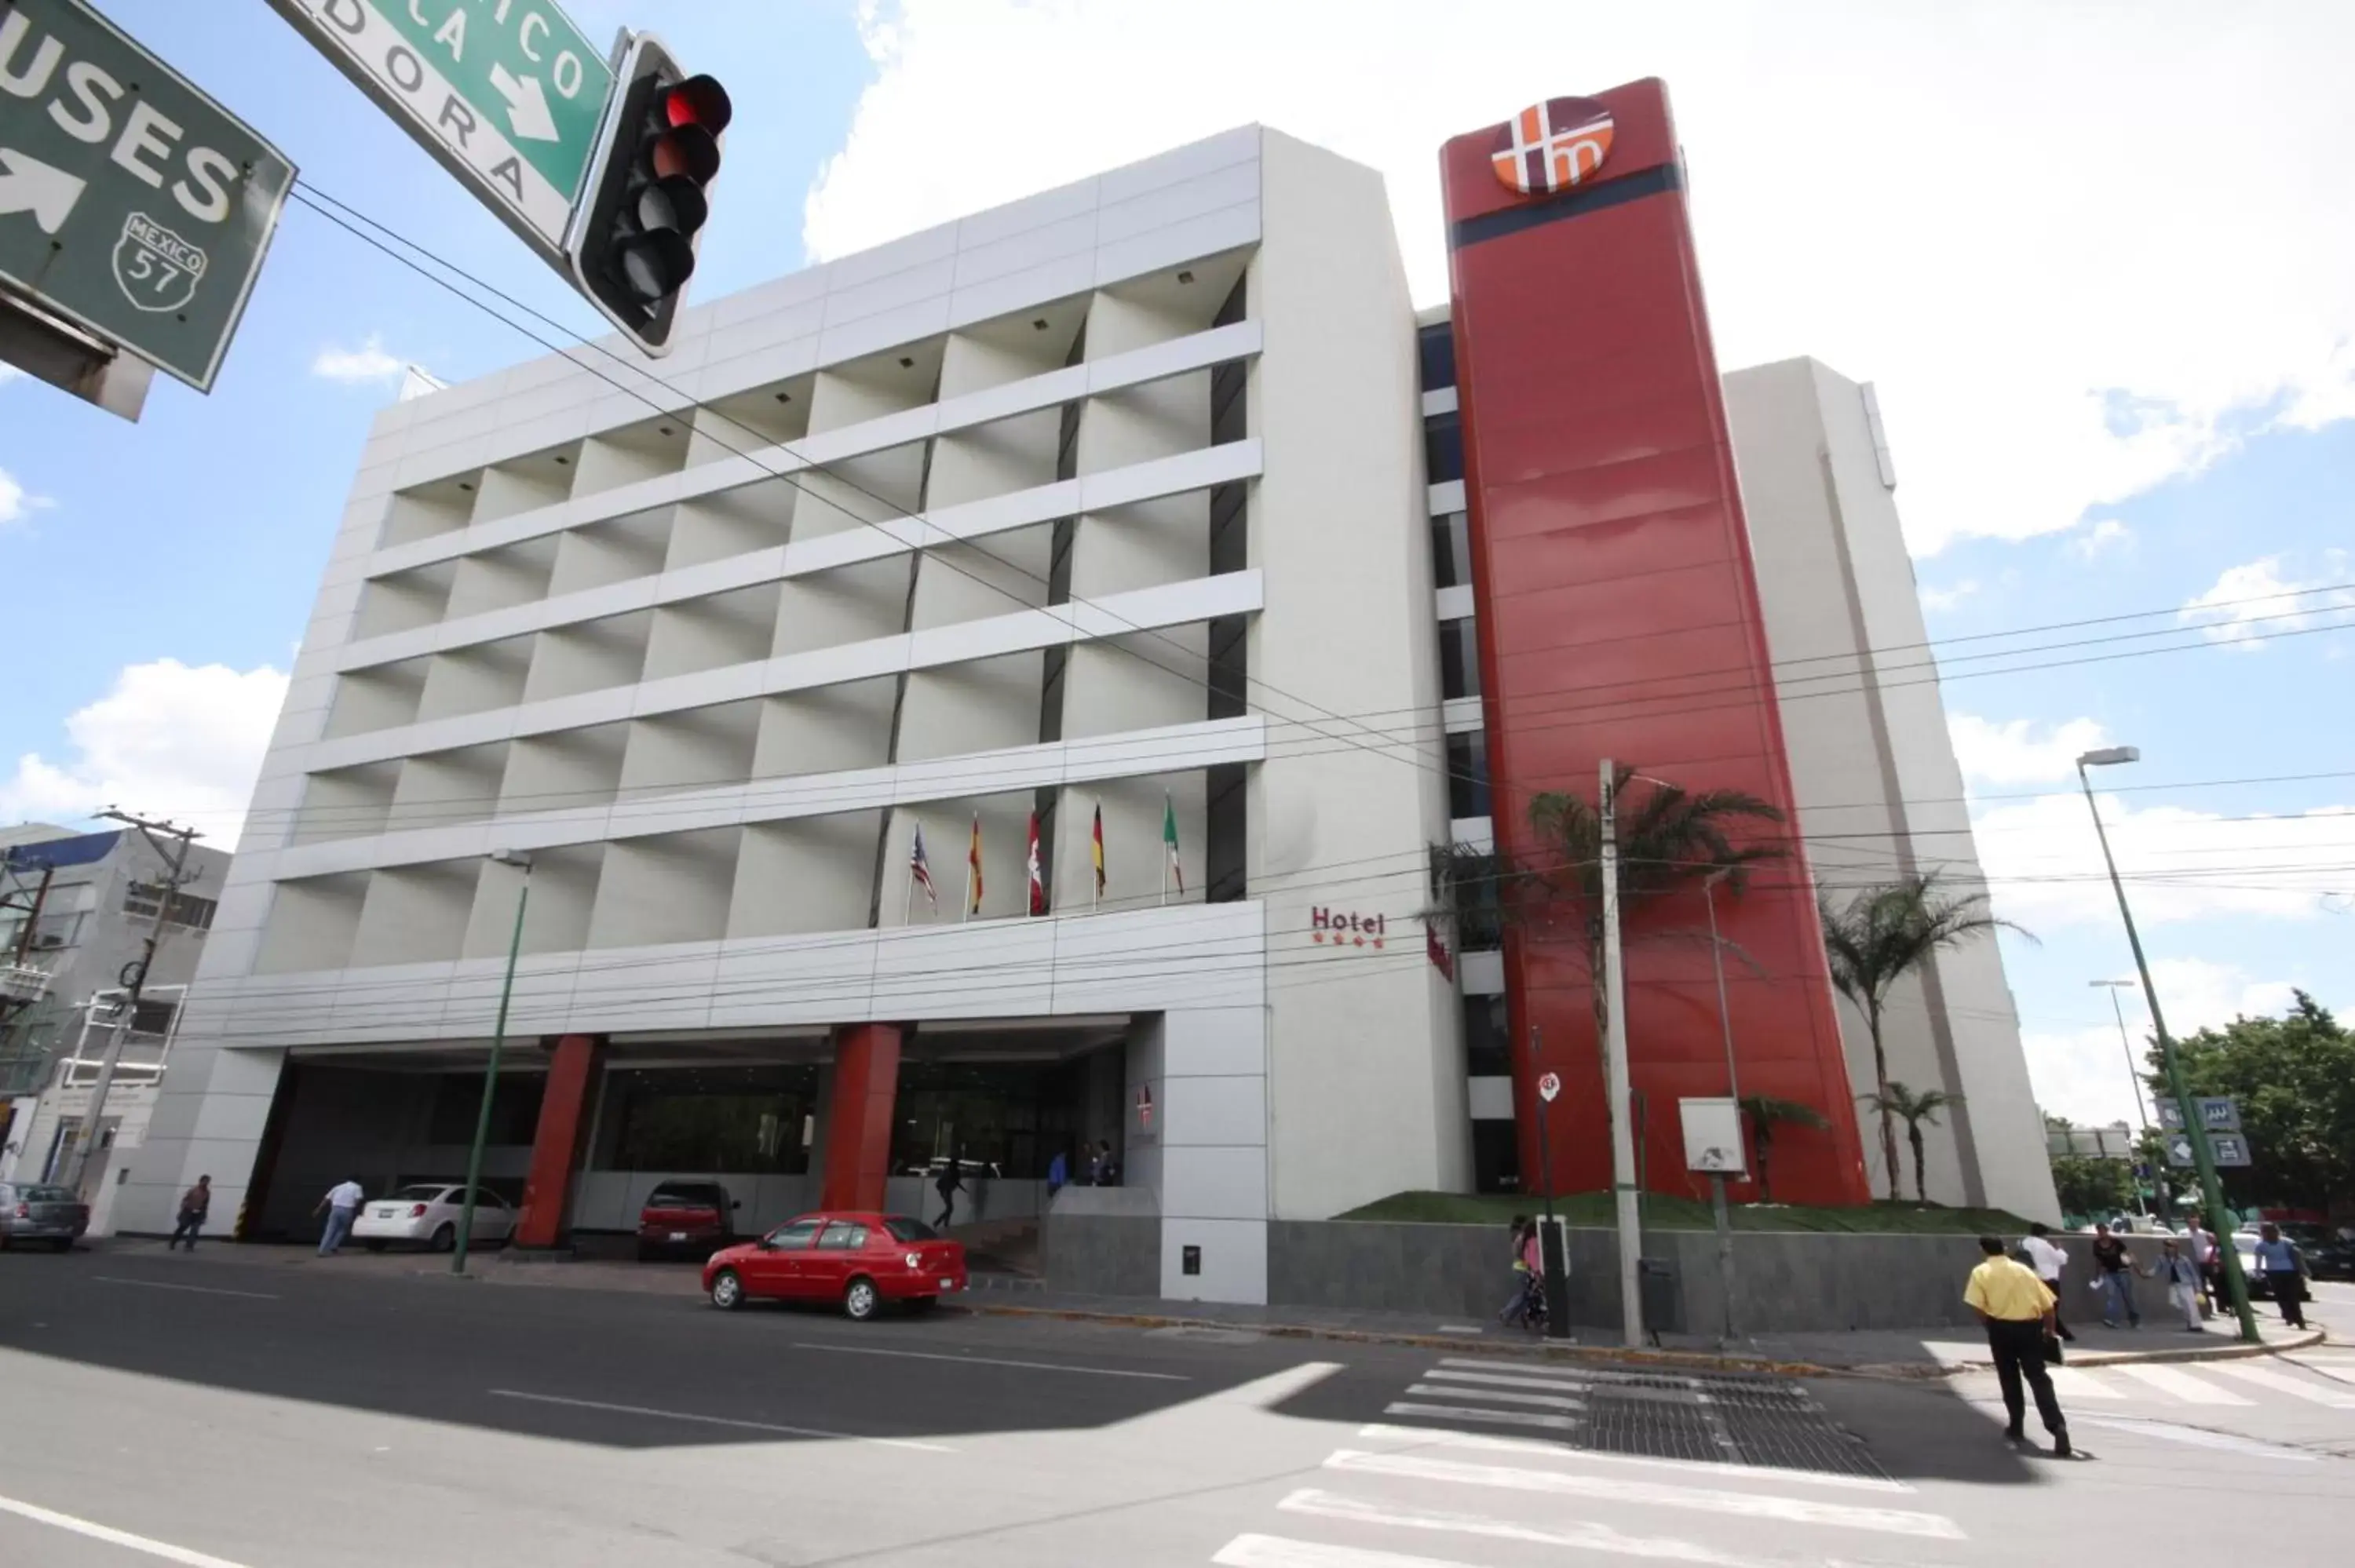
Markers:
<point>1765,1113</point>
<point>1668,838</point>
<point>1882,936</point>
<point>1897,1100</point>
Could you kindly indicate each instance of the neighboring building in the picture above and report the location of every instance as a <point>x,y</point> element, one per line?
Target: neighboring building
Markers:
<point>1129,498</point>
<point>76,909</point>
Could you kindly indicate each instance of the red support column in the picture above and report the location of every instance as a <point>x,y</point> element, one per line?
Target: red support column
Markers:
<point>858,1117</point>
<point>556,1144</point>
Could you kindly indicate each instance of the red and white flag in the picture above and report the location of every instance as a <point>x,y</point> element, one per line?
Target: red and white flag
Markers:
<point>1038,876</point>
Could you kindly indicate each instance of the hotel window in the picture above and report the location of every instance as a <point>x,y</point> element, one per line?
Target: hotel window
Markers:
<point>1451,550</point>
<point>1467,774</point>
<point>1436,346</point>
<point>1459,659</point>
<point>1443,448</point>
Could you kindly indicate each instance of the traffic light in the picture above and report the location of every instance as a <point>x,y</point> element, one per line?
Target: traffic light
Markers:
<point>633,247</point>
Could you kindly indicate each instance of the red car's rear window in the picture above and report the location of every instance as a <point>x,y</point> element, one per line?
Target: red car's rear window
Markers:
<point>904,1229</point>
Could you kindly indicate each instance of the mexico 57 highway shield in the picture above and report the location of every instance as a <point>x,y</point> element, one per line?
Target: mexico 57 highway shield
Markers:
<point>131,204</point>
<point>507,95</point>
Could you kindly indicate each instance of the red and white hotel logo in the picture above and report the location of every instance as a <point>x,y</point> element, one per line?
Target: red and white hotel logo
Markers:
<point>1551,146</point>
<point>1346,930</point>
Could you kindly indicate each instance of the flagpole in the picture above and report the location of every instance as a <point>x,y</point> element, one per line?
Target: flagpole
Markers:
<point>1096,861</point>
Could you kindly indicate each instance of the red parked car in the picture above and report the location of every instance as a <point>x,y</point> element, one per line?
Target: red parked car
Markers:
<point>860,1260</point>
<point>693,1218</point>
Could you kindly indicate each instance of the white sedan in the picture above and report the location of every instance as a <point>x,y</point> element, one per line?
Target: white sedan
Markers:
<point>429,1214</point>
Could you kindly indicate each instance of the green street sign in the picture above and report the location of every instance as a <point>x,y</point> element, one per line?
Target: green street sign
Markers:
<point>507,95</point>
<point>131,204</point>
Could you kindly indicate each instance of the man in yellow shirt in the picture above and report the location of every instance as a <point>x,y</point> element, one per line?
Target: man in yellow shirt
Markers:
<point>2018,1311</point>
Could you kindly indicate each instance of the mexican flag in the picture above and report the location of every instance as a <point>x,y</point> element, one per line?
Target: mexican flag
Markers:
<point>1173,872</point>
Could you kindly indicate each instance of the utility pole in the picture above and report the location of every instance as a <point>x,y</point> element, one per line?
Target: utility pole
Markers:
<point>1615,1071</point>
<point>134,974</point>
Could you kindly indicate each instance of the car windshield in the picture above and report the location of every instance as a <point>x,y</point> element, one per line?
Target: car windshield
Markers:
<point>904,1229</point>
<point>421,1193</point>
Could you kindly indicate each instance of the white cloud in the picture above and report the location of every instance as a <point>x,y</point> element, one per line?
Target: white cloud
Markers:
<point>17,503</point>
<point>1937,601</point>
<point>359,366</point>
<point>2108,535</point>
<point>2035,390</point>
<point>2015,753</point>
<point>2254,601</point>
<point>2045,866</point>
<point>168,739</point>
<point>2083,1073</point>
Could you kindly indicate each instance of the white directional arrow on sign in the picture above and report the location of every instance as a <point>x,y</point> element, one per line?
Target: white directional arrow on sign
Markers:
<point>28,184</point>
<point>527,105</point>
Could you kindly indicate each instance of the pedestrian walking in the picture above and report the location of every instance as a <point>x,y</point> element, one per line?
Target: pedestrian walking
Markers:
<point>948,1184</point>
<point>2182,1276</point>
<point>2048,1259</point>
<point>342,1204</point>
<point>1094,1165</point>
<point>2018,1311</point>
<point>2210,1261</point>
<point>195,1204</point>
<point>1107,1168</point>
<point>1526,1273</point>
<point>2114,1272</point>
<point>2283,1268</point>
<point>1059,1174</point>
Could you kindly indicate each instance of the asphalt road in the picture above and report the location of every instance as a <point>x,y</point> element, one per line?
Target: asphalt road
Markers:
<point>222,1410</point>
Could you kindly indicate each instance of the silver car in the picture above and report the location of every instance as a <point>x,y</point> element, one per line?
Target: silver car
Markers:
<point>37,1211</point>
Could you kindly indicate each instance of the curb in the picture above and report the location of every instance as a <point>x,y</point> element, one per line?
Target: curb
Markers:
<point>1687,1361</point>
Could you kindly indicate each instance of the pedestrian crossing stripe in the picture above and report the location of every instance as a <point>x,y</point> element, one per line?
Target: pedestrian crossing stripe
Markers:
<point>1505,1380</point>
<point>1587,1535</point>
<point>1489,1443</point>
<point>1277,1551</point>
<point>1621,1489</point>
<point>1473,1413</point>
<point>1499,1395</point>
<point>2341,1398</point>
<point>2182,1384</point>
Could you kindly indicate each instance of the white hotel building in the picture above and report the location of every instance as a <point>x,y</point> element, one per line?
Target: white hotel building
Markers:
<point>1110,499</point>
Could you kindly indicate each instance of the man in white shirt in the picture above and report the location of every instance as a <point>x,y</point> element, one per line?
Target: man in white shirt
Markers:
<point>2047,1258</point>
<point>343,1205</point>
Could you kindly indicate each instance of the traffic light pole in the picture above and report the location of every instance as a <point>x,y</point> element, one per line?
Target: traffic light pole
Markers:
<point>134,980</point>
<point>2211,1190</point>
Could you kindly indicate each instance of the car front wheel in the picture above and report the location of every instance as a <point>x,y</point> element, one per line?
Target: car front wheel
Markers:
<point>861,1301</point>
<point>727,1290</point>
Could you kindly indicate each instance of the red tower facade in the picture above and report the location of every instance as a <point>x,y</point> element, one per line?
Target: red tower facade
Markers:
<point>1618,616</point>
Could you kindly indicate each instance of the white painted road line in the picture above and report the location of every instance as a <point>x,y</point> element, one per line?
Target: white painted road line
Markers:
<point>721,1420</point>
<point>2071,1383</point>
<point>1487,1442</point>
<point>1582,1536</point>
<point>993,1361</point>
<point>1500,1396</point>
<point>2197,1437</point>
<point>2336,1398</point>
<point>2182,1384</point>
<point>1570,1375</point>
<point>113,1537</point>
<point>193,1289</point>
<point>1618,1490</point>
<point>1471,1412</point>
<point>1276,1552</point>
<point>1276,1387</point>
<point>1506,1379</point>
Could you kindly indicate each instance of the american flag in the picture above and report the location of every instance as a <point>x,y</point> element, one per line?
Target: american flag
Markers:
<point>920,867</point>
<point>1551,146</point>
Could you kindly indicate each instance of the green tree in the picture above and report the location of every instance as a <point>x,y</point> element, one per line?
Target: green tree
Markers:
<point>2089,1186</point>
<point>2295,1079</point>
<point>1668,839</point>
<point>1767,1113</point>
<point>1913,1109</point>
<point>1880,936</point>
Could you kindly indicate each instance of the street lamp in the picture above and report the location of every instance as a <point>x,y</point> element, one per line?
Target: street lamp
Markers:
<point>2211,1190</point>
<point>491,1075</point>
<point>2134,1080</point>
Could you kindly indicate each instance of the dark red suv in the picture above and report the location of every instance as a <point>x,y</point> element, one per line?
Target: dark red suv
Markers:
<point>686,1219</point>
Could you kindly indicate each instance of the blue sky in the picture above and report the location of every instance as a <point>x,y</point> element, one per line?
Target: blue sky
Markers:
<point>2079,433</point>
